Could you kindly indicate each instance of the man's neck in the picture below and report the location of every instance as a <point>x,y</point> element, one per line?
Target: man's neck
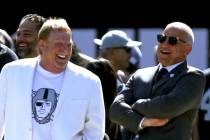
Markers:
<point>31,55</point>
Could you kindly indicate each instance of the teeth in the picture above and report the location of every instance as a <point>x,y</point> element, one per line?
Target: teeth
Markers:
<point>165,51</point>
<point>22,44</point>
<point>61,56</point>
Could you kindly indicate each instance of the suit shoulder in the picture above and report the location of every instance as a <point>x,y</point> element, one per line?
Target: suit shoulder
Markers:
<point>22,62</point>
<point>196,72</point>
<point>192,69</point>
<point>20,65</point>
<point>144,74</point>
<point>146,70</point>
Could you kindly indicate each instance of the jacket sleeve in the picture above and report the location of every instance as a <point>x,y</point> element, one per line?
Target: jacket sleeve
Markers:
<point>186,95</point>
<point>121,111</point>
<point>3,81</point>
<point>94,128</point>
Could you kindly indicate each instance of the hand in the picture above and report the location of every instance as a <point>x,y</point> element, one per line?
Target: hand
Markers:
<point>143,100</point>
<point>140,101</point>
<point>151,122</point>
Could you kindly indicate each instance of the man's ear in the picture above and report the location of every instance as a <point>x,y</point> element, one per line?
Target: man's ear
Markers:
<point>41,45</point>
<point>188,49</point>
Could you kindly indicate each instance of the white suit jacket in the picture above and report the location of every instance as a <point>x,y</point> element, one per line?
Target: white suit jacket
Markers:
<point>80,113</point>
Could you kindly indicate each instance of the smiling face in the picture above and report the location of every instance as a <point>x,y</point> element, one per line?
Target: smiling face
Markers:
<point>170,54</point>
<point>56,51</point>
<point>26,39</point>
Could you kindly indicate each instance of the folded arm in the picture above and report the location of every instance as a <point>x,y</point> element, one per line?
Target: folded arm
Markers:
<point>185,96</point>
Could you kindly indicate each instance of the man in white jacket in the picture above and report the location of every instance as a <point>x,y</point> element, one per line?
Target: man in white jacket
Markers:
<point>48,97</point>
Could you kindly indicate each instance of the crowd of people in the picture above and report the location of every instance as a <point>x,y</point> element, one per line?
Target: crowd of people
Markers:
<point>51,91</point>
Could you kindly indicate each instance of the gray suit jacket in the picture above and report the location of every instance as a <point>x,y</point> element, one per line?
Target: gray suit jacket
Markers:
<point>177,96</point>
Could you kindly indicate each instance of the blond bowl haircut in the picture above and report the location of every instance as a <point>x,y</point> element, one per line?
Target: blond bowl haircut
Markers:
<point>185,28</point>
<point>53,24</point>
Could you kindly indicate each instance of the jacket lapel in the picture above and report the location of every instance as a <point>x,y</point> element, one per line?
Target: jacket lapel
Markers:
<point>150,79</point>
<point>182,67</point>
<point>171,77</point>
<point>162,80</point>
<point>66,88</point>
<point>28,76</point>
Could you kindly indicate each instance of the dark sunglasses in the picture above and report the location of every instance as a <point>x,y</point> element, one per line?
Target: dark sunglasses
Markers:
<point>172,40</point>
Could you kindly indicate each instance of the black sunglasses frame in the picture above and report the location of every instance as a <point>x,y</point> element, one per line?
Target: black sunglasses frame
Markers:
<point>172,40</point>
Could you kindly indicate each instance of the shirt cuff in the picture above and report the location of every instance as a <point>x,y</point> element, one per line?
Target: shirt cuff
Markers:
<point>141,124</point>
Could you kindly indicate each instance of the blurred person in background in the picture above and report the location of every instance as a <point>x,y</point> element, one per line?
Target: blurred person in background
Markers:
<point>27,35</point>
<point>79,58</point>
<point>134,63</point>
<point>7,54</point>
<point>203,121</point>
<point>6,39</point>
<point>103,69</point>
<point>115,46</point>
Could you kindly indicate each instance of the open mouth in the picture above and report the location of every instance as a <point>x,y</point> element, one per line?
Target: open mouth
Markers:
<point>21,46</point>
<point>61,56</point>
<point>165,52</point>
